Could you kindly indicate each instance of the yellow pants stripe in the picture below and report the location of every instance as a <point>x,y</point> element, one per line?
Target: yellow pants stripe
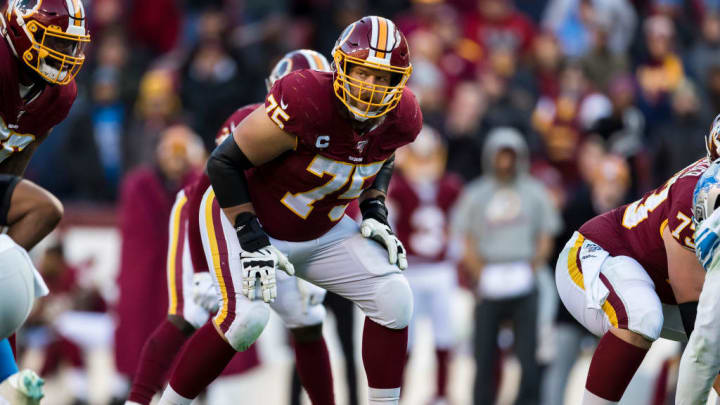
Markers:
<point>172,254</point>
<point>214,249</point>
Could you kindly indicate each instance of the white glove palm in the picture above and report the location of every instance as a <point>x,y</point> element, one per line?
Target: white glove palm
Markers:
<point>204,292</point>
<point>374,229</point>
<point>259,266</point>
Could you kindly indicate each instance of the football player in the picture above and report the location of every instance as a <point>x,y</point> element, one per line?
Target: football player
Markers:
<point>631,275</point>
<point>42,53</point>
<point>421,197</point>
<point>192,296</point>
<point>280,186</point>
<point>700,361</point>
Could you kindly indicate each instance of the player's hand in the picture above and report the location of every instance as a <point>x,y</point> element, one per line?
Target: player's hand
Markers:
<point>373,229</point>
<point>707,240</point>
<point>258,259</point>
<point>204,292</point>
<point>310,294</point>
<point>259,266</point>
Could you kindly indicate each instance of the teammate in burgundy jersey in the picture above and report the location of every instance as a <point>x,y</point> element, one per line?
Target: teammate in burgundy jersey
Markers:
<point>40,55</point>
<point>191,295</point>
<point>630,275</point>
<point>322,140</point>
<point>422,196</point>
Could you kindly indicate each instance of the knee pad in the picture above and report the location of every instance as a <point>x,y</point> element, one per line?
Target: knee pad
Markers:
<point>647,323</point>
<point>17,288</point>
<point>247,325</point>
<point>394,302</point>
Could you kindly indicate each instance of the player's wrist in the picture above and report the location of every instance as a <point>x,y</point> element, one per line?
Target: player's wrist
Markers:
<point>374,208</point>
<point>249,232</point>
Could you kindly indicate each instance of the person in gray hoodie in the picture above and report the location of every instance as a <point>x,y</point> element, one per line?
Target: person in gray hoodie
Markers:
<point>507,221</point>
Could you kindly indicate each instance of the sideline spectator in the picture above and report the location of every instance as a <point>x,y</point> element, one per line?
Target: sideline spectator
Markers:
<point>507,220</point>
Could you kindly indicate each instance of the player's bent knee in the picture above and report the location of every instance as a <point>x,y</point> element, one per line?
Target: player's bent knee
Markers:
<point>648,323</point>
<point>17,291</point>
<point>248,325</point>
<point>394,301</point>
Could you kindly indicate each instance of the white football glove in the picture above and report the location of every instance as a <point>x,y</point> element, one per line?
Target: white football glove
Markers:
<point>374,229</point>
<point>22,388</point>
<point>259,266</point>
<point>204,292</point>
<point>310,294</point>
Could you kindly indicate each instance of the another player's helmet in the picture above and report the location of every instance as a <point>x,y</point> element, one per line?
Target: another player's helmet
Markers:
<point>48,35</point>
<point>376,43</point>
<point>297,60</point>
<point>706,197</point>
<point>712,140</point>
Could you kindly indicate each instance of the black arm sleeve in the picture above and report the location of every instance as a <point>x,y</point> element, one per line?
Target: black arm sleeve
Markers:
<point>226,167</point>
<point>688,312</point>
<point>382,180</point>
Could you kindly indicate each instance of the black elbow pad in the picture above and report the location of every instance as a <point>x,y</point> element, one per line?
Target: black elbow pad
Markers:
<point>382,180</point>
<point>226,169</point>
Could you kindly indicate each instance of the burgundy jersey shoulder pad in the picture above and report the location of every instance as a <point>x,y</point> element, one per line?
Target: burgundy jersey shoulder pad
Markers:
<point>236,118</point>
<point>408,118</point>
<point>299,100</point>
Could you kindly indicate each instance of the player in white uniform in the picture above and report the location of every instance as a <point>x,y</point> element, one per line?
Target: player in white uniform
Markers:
<point>700,361</point>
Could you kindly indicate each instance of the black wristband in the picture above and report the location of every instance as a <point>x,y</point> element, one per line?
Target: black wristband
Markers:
<point>250,233</point>
<point>688,312</point>
<point>374,208</point>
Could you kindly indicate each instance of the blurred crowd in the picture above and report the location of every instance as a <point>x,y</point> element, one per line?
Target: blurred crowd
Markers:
<point>640,79</point>
<point>611,96</point>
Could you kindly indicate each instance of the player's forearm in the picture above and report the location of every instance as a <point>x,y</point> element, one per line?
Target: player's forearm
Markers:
<point>701,360</point>
<point>382,179</point>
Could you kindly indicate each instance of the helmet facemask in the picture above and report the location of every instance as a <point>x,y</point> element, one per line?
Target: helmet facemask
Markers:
<point>365,100</point>
<point>55,55</point>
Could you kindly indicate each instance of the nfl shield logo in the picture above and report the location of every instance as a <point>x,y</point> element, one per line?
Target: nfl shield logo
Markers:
<point>361,146</point>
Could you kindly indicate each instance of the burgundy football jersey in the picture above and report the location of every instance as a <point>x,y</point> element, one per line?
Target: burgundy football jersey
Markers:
<point>22,123</point>
<point>195,190</point>
<point>420,215</point>
<point>635,229</point>
<point>301,194</point>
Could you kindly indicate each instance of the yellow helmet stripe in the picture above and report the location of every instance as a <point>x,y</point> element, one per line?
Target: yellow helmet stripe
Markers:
<point>382,37</point>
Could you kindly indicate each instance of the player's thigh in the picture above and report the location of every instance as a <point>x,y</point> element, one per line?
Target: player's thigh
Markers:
<point>630,303</point>
<point>293,305</point>
<point>17,286</point>
<point>357,268</point>
<point>238,318</point>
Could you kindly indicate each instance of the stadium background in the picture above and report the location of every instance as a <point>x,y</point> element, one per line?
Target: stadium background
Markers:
<point>613,96</point>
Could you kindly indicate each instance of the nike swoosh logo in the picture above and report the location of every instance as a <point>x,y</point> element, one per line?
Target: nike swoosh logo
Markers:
<point>282,104</point>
